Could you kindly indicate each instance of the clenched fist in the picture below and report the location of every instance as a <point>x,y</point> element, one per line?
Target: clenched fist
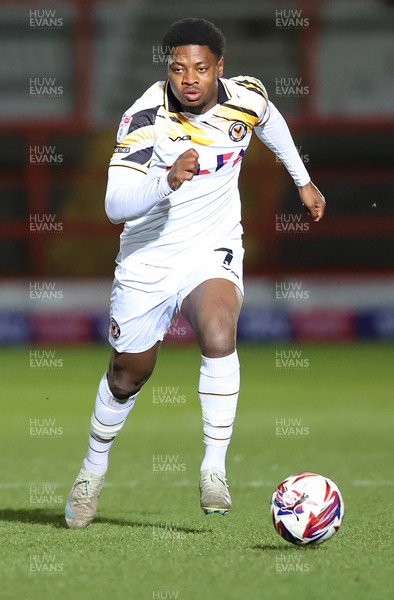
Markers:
<point>313,200</point>
<point>183,169</point>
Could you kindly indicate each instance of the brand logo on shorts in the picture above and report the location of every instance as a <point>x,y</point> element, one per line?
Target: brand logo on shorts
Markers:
<point>227,260</point>
<point>237,131</point>
<point>115,329</point>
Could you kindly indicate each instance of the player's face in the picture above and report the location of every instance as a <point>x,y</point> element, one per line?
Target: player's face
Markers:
<point>193,72</point>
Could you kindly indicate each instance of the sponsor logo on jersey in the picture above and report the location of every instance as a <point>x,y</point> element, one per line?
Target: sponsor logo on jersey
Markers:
<point>181,138</point>
<point>121,150</point>
<point>115,329</point>
<point>237,131</point>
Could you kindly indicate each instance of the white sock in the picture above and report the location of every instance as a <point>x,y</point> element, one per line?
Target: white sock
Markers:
<point>107,420</point>
<point>218,392</point>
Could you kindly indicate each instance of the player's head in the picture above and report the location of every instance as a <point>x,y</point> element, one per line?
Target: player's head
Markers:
<point>194,32</point>
<point>195,49</point>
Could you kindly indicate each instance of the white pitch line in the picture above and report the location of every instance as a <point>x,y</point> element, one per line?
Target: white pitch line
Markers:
<point>128,484</point>
<point>18,485</point>
<point>371,483</point>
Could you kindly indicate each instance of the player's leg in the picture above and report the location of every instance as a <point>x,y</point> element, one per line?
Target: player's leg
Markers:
<point>212,309</point>
<point>115,398</point>
<point>138,323</point>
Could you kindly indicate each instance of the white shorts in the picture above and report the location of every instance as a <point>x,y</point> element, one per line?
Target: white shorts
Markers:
<point>146,298</point>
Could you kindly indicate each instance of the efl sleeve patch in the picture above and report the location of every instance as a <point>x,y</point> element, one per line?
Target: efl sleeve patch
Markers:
<point>135,140</point>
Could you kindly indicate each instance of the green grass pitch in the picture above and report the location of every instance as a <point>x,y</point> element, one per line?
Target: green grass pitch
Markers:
<point>332,415</point>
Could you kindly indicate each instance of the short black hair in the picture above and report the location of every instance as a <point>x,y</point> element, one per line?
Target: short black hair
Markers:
<point>199,32</point>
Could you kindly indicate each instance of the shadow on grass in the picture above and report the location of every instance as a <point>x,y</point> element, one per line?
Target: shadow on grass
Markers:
<point>43,516</point>
<point>289,548</point>
<point>39,516</point>
<point>271,547</point>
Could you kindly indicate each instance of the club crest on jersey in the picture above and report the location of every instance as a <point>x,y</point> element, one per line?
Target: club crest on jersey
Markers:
<point>115,329</point>
<point>237,131</point>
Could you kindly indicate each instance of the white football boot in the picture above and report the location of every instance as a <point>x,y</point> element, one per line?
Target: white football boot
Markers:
<point>82,502</point>
<point>214,493</point>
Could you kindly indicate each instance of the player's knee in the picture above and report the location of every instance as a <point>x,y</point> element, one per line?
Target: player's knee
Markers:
<point>218,338</point>
<point>127,373</point>
<point>123,385</point>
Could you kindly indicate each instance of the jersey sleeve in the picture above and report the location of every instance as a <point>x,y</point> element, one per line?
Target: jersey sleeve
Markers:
<point>259,96</point>
<point>136,133</point>
<point>131,195</point>
<point>275,134</point>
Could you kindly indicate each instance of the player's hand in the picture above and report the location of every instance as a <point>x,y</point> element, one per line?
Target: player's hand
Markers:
<point>313,200</point>
<point>183,169</point>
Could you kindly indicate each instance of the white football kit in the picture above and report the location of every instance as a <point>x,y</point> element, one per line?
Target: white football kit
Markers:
<point>174,240</point>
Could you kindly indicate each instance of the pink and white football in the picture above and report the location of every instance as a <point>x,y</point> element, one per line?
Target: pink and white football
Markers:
<point>307,508</point>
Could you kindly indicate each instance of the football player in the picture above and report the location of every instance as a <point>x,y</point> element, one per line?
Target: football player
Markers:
<point>173,182</point>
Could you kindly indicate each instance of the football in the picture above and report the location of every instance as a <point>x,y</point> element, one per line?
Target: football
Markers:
<point>307,508</point>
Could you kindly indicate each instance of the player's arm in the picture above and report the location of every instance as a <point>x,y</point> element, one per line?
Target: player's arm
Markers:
<point>131,194</point>
<point>275,134</point>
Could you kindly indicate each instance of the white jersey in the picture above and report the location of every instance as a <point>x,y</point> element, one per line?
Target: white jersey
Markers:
<point>205,211</point>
